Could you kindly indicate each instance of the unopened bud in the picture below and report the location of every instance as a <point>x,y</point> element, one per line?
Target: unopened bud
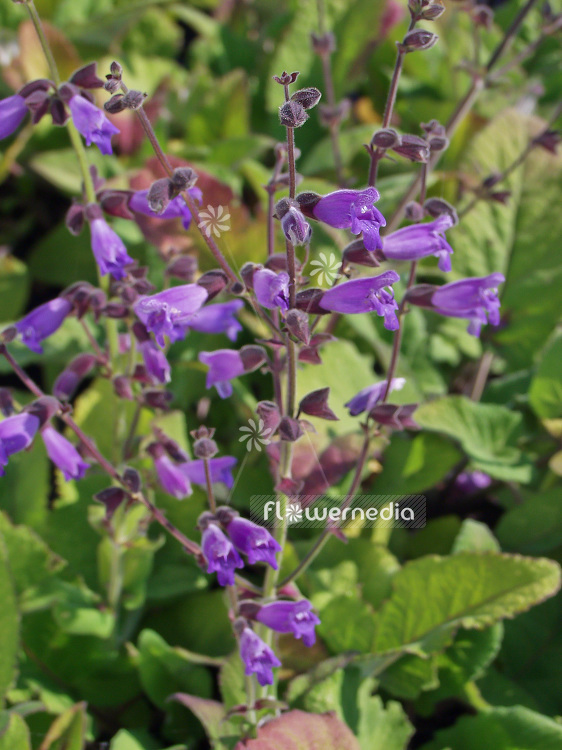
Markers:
<point>133,99</point>
<point>414,211</point>
<point>295,227</point>
<point>112,85</point>
<point>297,324</point>
<point>159,195</point>
<point>387,138</point>
<point>184,268</point>
<point>308,98</point>
<point>115,69</point>
<point>70,377</point>
<point>290,430</point>
<point>418,39</point>
<point>252,357</point>
<point>6,402</point>
<point>413,148</point>
<point>432,12</point>
<point>112,497</point>
<point>323,44</point>
<point>292,115</point>
<point>268,412</point>
<point>74,219</point>
<point>438,206</point>
<point>309,301</point>
<point>122,387</point>
<point>316,405</point>
<point>205,448</point>
<point>158,399</point>
<point>116,103</point>
<point>43,408</point>
<point>247,273</point>
<point>131,478</point>
<point>213,281</point>
<point>482,16</point>
<point>184,178</point>
<point>285,79</point>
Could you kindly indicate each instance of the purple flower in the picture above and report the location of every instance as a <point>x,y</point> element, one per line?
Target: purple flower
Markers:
<point>365,295</point>
<point>108,248</point>
<point>295,227</point>
<point>258,658</point>
<point>157,366</point>
<point>253,541</point>
<point>12,112</point>
<point>220,468</point>
<point>354,210</point>
<point>224,364</point>
<point>220,555</point>
<point>167,313</point>
<point>92,123</point>
<point>475,299</point>
<point>63,454</point>
<point>176,208</point>
<point>272,289</point>
<point>219,318</point>
<point>171,477</point>
<point>419,240</point>
<point>42,322</point>
<point>16,434</point>
<point>468,482</point>
<point>291,617</point>
<point>368,397</point>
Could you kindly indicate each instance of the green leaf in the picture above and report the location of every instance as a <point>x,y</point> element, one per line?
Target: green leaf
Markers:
<point>381,727</point>
<point>545,392</point>
<point>503,729</point>
<point>475,536</point>
<point>14,287</point>
<point>165,670</point>
<point>347,624</point>
<point>24,490</point>
<point>487,433</point>
<point>409,676</point>
<point>15,734</point>
<point>68,731</point>
<point>433,596</point>
<point>211,714</point>
<point>9,623</point>
<point>534,526</point>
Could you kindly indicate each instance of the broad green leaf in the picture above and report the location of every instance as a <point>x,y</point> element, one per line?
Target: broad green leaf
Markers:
<point>409,676</point>
<point>515,728</point>
<point>14,286</point>
<point>232,681</point>
<point>487,433</point>
<point>9,623</point>
<point>545,392</point>
<point>15,734</point>
<point>303,731</point>
<point>23,491</point>
<point>321,158</point>
<point>68,731</point>
<point>433,596</point>
<point>475,536</point>
<point>381,727</point>
<point>347,624</point>
<point>534,526</point>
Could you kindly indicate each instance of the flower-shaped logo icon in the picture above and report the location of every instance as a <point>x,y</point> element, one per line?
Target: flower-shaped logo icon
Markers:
<point>214,220</point>
<point>327,268</point>
<point>256,435</point>
<point>293,512</point>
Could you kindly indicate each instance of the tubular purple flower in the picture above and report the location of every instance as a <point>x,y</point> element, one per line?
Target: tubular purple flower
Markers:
<point>171,477</point>
<point>157,366</point>
<point>468,482</point>
<point>219,318</point>
<point>167,313</point>
<point>419,240</point>
<point>253,541</point>
<point>475,299</point>
<point>16,434</point>
<point>12,112</point>
<point>368,397</point>
<point>258,658</point>
<point>291,617</point>
<point>220,555</point>
<point>42,322</point>
<point>295,227</point>
<point>220,468</point>
<point>176,208</point>
<point>92,123</point>
<point>365,295</point>
<point>63,454</point>
<point>108,249</point>
<point>272,289</point>
<point>354,210</point>
<point>224,364</point>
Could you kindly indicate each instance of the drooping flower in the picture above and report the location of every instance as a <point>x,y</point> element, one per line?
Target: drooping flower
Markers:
<point>42,322</point>
<point>220,469</point>
<point>157,366</point>
<point>109,250</point>
<point>12,112</point>
<point>258,658</point>
<point>419,240</point>
<point>63,454</point>
<point>373,293</point>
<point>224,364</point>
<point>92,123</point>
<point>220,555</point>
<point>68,380</point>
<point>176,208</point>
<point>16,434</point>
<point>354,210</point>
<point>219,318</point>
<point>254,541</point>
<point>291,617</point>
<point>171,477</point>
<point>272,289</point>
<point>475,299</point>
<point>368,397</point>
<point>167,313</point>
<point>295,227</point>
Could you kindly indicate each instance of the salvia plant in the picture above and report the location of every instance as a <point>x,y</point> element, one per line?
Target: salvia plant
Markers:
<point>249,428</point>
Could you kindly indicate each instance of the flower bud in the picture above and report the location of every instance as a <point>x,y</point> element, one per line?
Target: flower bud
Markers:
<point>316,404</point>
<point>133,99</point>
<point>159,195</point>
<point>247,273</point>
<point>252,357</point>
<point>74,219</point>
<point>285,79</point>
<point>158,399</point>
<point>6,403</point>
<point>432,12</point>
<point>115,310</point>
<point>387,138</point>
<point>122,387</point>
<point>548,140</point>
<point>86,77</point>
<point>308,98</point>
<point>482,16</point>
<point>357,253</point>
<point>112,85</point>
<point>205,448</point>
<point>268,412</point>
<point>70,377</point>
<point>295,227</point>
<point>277,262</point>
<point>292,114</point>
<point>112,497</point>
<point>184,267</point>
<point>417,39</point>
<point>115,104</point>
<point>8,334</point>
<point>399,417</point>
<point>413,147</point>
<point>116,70</point>
<point>290,430</point>
<point>438,206</point>
<point>43,408</point>
<point>309,301</point>
<point>414,211</point>
<point>438,142</point>
<point>330,116</point>
<point>213,281</point>
<point>297,324</point>
<point>184,178</point>
<point>225,515</point>
<point>131,478</point>
<point>323,44</point>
